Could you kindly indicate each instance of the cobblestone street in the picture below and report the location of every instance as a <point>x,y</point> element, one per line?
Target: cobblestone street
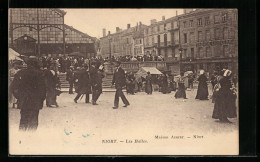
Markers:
<point>78,125</point>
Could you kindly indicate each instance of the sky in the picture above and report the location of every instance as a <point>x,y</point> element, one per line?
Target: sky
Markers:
<point>92,21</point>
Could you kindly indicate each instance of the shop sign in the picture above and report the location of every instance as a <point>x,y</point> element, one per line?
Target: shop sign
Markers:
<point>215,43</point>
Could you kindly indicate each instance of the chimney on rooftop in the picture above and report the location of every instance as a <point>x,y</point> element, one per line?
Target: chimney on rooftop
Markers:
<point>104,32</point>
<point>187,11</point>
<point>153,21</point>
<point>140,23</point>
<point>108,32</point>
<point>128,26</point>
<point>117,29</point>
<point>163,18</point>
<point>176,13</point>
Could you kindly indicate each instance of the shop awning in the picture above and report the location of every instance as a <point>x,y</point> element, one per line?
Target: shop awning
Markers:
<point>152,70</point>
<point>13,55</point>
<point>142,72</point>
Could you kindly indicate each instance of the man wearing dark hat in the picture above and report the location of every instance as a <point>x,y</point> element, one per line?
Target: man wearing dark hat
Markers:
<point>119,80</point>
<point>96,76</point>
<point>93,72</point>
<point>83,84</point>
<point>29,89</point>
<point>70,79</point>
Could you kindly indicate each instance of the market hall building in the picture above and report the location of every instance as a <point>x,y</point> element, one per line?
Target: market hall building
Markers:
<point>42,32</point>
<point>209,40</point>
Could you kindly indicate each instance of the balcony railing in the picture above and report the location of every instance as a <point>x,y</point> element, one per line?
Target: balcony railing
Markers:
<point>135,66</point>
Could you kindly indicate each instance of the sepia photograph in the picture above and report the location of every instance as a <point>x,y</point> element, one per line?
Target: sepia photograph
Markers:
<point>133,81</point>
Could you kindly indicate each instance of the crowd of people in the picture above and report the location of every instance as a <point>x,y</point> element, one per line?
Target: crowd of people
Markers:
<point>224,93</point>
<point>223,88</point>
<point>64,62</point>
<point>163,83</point>
<point>136,58</point>
<point>39,81</point>
<point>29,87</point>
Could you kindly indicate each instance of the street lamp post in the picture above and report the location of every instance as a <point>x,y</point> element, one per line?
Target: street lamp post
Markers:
<point>109,39</point>
<point>180,49</point>
<point>38,33</point>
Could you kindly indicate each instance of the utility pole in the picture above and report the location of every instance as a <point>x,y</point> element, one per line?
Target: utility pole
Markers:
<point>110,53</point>
<point>63,30</point>
<point>38,33</point>
<point>180,49</point>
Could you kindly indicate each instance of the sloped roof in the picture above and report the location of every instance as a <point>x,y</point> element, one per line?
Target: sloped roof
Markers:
<point>22,38</point>
<point>84,34</point>
<point>60,11</point>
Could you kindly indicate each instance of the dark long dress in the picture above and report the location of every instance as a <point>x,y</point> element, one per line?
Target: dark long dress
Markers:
<point>216,87</point>
<point>225,102</point>
<point>202,93</point>
<point>164,84</point>
<point>181,89</point>
<point>130,84</point>
<point>148,84</point>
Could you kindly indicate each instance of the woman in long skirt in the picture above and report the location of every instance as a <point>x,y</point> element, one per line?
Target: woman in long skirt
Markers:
<point>181,88</point>
<point>148,83</point>
<point>131,85</point>
<point>225,102</point>
<point>217,85</point>
<point>164,83</point>
<point>202,93</point>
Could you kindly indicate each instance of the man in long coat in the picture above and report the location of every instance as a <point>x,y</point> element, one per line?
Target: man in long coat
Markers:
<point>51,82</point>
<point>96,76</point>
<point>28,87</point>
<point>83,84</point>
<point>70,79</point>
<point>119,80</point>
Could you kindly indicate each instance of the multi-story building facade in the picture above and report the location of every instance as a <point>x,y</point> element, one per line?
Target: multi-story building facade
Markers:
<point>162,38</point>
<point>41,31</point>
<point>138,39</point>
<point>120,43</point>
<point>198,39</point>
<point>111,44</point>
<point>208,40</point>
<point>127,41</point>
<point>105,47</point>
